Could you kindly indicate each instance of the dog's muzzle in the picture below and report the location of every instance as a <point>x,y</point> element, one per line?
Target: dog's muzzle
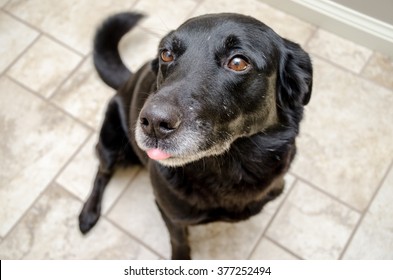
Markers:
<point>158,123</point>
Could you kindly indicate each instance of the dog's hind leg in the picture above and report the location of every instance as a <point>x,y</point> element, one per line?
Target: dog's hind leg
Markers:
<point>179,238</point>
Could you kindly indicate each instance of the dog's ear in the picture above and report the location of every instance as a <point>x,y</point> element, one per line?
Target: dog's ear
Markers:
<point>155,65</point>
<point>294,81</point>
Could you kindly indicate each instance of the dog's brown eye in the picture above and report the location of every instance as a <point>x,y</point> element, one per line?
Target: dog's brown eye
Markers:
<point>238,64</point>
<point>167,56</point>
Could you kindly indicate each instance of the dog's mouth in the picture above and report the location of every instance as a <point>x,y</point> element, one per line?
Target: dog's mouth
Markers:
<point>167,159</point>
<point>177,151</point>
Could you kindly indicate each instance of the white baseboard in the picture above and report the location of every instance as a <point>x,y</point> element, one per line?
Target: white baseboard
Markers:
<point>341,20</point>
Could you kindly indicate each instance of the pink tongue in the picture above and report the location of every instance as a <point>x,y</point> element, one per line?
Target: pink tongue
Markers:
<point>157,154</point>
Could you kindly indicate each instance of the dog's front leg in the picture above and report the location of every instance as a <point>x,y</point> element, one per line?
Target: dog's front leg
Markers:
<point>110,146</point>
<point>179,238</point>
<point>92,208</point>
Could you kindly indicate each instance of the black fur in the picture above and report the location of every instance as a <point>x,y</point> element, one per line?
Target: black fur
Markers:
<point>107,62</point>
<point>225,137</point>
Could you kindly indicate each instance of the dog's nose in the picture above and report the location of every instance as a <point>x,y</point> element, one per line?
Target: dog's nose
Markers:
<point>159,121</point>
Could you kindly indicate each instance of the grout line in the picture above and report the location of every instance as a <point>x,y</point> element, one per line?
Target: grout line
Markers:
<point>128,185</point>
<point>316,55</point>
<point>133,5</point>
<point>140,242</point>
<point>77,151</point>
<point>51,182</point>
<point>370,80</point>
<point>86,126</point>
<point>366,211</point>
<point>158,33</point>
<point>66,79</point>
<point>358,75</point>
<point>37,29</point>
<point>328,194</point>
<point>332,62</point>
<point>33,42</point>
<point>24,22</point>
<point>263,234</point>
<point>106,215</point>
<point>361,73</point>
<point>151,32</point>
<point>283,248</point>
<point>313,34</point>
<point>68,47</point>
<point>103,217</point>
<point>74,196</point>
<point>5,4</point>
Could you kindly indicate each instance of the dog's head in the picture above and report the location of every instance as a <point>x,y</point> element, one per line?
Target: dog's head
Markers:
<point>219,77</point>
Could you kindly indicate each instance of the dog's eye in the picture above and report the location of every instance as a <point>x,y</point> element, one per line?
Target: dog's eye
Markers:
<point>167,56</point>
<point>238,64</point>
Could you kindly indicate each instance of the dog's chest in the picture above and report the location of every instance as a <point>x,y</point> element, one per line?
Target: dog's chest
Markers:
<point>225,186</point>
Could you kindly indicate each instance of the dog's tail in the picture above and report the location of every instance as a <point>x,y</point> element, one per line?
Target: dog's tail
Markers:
<point>106,55</point>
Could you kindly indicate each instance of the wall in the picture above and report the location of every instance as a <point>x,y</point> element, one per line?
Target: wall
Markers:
<point>365,22</point>
<point>379,9</point>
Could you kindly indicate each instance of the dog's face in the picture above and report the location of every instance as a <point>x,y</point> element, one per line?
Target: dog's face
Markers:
<point>219,77</point>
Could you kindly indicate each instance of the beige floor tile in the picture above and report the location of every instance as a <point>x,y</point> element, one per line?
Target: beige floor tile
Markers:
<point>380,69</point>
<point>78,176</point>
<point>374,238</point>
<point>15,37</point>
<point>233,240</point>
<point>44,66</point>
<point>226,240</point>
<point>50,231</point>
<point>338,50</point>
<point>267,250</point>
<point>138,214</point>
<point>3,2</point>
<point>72,22</point>
<point>285,25</point>
<point>312,225</point>
<point>37,140</point>
<point>85,96</point>
<point>138,47</point>
<point>345,143</point>
<point>164,16</point>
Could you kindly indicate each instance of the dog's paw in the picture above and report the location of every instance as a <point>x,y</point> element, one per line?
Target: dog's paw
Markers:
<point>87,220</point>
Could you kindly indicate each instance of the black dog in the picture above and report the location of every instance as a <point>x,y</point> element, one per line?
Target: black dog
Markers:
<point>213,117</point>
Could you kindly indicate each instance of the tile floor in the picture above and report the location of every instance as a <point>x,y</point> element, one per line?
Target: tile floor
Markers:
<point>337,204</point>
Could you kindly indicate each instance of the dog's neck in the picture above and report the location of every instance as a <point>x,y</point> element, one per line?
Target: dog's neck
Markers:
<point>250,160</point>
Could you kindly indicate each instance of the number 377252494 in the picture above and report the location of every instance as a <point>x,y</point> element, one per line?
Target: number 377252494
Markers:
<point>238,270</point>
